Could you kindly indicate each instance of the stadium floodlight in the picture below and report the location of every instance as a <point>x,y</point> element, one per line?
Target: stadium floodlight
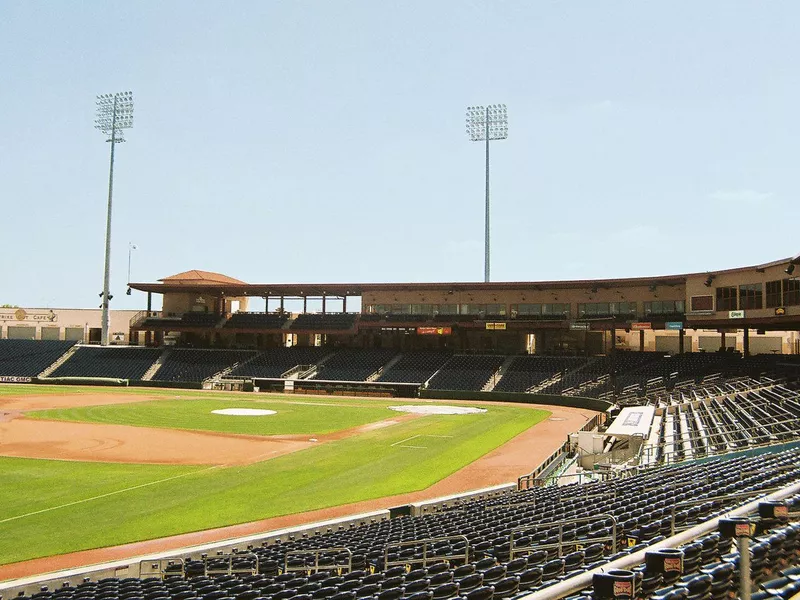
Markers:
<point>484,124</point>
<point>114,114</point>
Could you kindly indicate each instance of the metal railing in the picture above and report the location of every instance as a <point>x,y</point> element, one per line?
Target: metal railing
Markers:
<point>162,568</point>
<point>245,563</point>
<point>428,554</point>
<point>516,549</point>
<point>323,559</point>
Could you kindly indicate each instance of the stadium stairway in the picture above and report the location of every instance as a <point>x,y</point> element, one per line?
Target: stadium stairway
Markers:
<point>498,375</point>
<point>385,367</point>
<point>151,372</point>
<point>62,359</point>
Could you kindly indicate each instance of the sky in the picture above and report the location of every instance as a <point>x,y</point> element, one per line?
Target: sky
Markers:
<point>312,141</point>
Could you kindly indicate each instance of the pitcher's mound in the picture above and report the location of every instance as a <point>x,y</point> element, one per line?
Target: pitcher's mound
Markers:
<point>438,409</point>
<point>244,412</point>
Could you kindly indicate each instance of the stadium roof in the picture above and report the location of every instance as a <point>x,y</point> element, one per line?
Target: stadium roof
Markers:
<point>196,281</point>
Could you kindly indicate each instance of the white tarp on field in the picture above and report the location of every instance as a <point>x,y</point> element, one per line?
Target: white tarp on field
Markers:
<point>632,420</point>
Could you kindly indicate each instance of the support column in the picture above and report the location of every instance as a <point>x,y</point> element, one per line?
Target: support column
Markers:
<point>641,340</point>
<point>281,303</point>
<point>722,341</point>
<point>344,304</point>
<point>614,358</point>
<point>746,342</point>
<point>680,341</point>
<point>266,305</point>
<point>323,304</point>
<point>305,304</point>
<point>149,301</point>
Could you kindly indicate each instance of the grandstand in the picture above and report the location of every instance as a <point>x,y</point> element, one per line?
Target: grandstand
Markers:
<point>691,430</point>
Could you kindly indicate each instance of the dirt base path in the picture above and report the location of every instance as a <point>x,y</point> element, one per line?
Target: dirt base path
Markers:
<point>504,464</point>
<point>91,442</point>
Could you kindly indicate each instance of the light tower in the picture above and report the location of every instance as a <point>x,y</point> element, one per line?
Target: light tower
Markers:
<point>114,113</point>
<point>486,123</point>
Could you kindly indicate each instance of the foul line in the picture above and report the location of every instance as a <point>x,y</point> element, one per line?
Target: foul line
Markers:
<point>402,444</point>
<point>135,487</point>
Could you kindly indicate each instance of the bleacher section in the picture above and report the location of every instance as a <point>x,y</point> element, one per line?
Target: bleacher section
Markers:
<point>711,420</point>
<point>253,320</point>
<point>525,372</point>
<point>276,362</point>
<point>415,367</point>
<point>466,372</point>
<point>351,364</point>
<point>324,322</point>
<point>508,546</point>
<point>28,358</point>
<point>113,362</point>
<point>184,364</point>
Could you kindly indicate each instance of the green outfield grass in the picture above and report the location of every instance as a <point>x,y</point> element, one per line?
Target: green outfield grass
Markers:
<point>52,507</point>
<point>294,416</point>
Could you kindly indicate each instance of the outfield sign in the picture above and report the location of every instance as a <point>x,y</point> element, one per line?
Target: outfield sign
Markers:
<point>674,325</point>
<point>20,314</point>
<point>641,326</point>
<point>434,330</point>
<point>579,326</point>
<point>736,314</point>
<point>496,326</point>
<point>13,379</point>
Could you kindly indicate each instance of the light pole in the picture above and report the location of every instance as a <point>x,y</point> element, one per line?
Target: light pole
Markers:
<point>131,248</point>
<point>114,113</point>
<point>486,123</point>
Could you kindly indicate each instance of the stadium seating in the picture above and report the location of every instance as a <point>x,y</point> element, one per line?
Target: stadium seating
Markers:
<point>181,364</point>
<point>466,372</point>
<point>353,364</point>
<point>277,361</point>
<point>114,362</point>
<point>324,322</point>
<point>252,320</point>
<point>505,546</point>
<point>199,319</point>
<point>525,372</point>
<point>28,358</point>
<point>415,367</point>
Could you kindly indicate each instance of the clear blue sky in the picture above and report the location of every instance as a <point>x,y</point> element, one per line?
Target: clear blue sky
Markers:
<point>324,141</point>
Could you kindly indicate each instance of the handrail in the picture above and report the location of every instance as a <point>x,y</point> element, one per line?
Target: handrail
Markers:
<point>514,549</point>
<point>424,560</point>
<point>340,568</point>
<point>223,565</point>
<point>570,586</point>
<point>163,568</point>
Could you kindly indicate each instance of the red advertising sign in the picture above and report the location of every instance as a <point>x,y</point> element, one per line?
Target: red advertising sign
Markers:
<point>641,326</point>
<point>434,330</point>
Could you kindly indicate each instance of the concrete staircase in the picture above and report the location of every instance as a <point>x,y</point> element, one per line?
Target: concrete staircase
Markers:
<point>388,365</point>
<point>498,375</point>
<point>151,372</point>
<point>62,359</point>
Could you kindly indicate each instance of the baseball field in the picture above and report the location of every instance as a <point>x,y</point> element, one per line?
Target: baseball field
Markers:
<point>87,467</point>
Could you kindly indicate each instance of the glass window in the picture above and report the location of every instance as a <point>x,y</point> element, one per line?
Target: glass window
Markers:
<point>448,309</point>
<point>773,295</point>
<point>496,309</point>
<point>663,307</point>
<point>750,296</point>
<point>702,303</point>
<point>529,309</point>
<point>555,309</point>
<point>791,292</point>
<point>726,298</point>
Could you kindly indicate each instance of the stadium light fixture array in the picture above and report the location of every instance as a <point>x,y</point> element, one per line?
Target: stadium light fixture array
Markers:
<point>484,124</point>
<point>114,114</point>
